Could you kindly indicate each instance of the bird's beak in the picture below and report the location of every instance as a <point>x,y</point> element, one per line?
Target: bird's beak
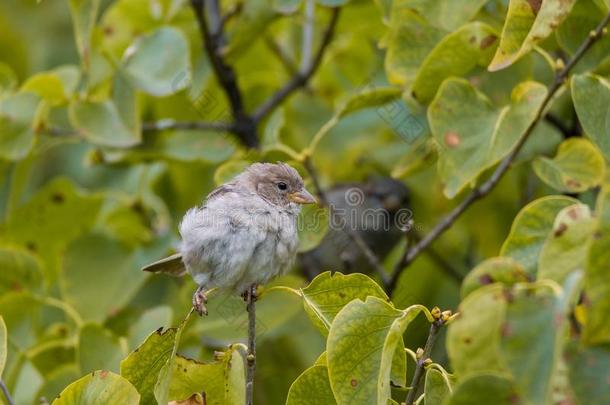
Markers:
<point>302,197</point>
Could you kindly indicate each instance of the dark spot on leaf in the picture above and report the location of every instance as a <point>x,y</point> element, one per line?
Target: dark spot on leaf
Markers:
<point>16,286</point>
<point>560,230</point>
<point>184,370</point>
<point>487,41</point>
<point>558,321</point>
<point>57,198</point>
<point>138,207</point>
<point>508,295</point>
<point>535,5</point>
<point>467,340</point>
<point>31,246</point>
<point>514,398</point>
<point>471,40</point>
<point>103,374</point>
<point>485,279</point>
<point>597,235</point>
<point>452,139</point>
<point>108,30</point>
<point>354,382</point>
<point>341,294</point>
<point>573,213</point>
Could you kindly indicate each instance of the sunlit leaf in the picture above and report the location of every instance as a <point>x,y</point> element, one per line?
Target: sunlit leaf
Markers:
<point>473,134</point>
<point>527,23</point>
<point>311,387</point>
<point>99,388</point>
<point>577,167</point>
<point>436,387</point>
<point>505,270</point>
<point>530,229</point>
<point>3,345</point>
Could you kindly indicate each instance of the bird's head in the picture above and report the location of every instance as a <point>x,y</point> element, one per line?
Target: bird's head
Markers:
<point>279,184</point>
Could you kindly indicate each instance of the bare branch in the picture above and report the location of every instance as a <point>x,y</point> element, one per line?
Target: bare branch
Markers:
<point>251,356</point>
<point>7,395</point>
<point>484,189</point>
<point>302,77</point>
<point>419,370</point>
<point>244,127</point>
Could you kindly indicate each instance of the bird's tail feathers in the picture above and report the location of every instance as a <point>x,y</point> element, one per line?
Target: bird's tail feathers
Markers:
<point>171,265</point>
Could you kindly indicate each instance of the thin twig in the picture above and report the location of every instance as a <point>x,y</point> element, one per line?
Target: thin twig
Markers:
<point>244,126</point>
<point>167,124</point>
<point>301,78</point>
<point>419,370</point>
<point>281,54</point>
<point>370,256</point>
<point>501,169</point>
<point>7,394</point>
<point>251,356</point>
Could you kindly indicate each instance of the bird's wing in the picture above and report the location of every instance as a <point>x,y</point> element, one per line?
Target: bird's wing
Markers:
<point>171,265</point>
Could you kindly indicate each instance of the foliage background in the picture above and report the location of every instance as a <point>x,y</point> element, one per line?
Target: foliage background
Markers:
<point>89,193</point>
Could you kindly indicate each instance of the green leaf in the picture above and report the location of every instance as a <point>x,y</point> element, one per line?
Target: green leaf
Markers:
<point>223,381</point>
<point>457,54</point>
<point>505,270</point>
<point>286,6</point>
<point>527,23</point>
<point>311,387</point>
<point>329,292</point>
<point>565,249</point>
<point>446,14</point>
<point>98,349</point>
<point>111,122</point>
<point>409,39</point>
<point>8,79</point>
<point>588,373</point>
<point>332,3</point>
<point>473,339</point>
<point>84,15</point>
<point>158,63</point>
<point>17,119</point>
<point>472,134</point>
<point>151,319</point>
<point>591,95</point>
<point>3,345</point>
<point>436,387</point>
<point>100,288</point>
<point>485,389</point>
<point>99,388</point>
<point>530,229</point>
<point>361,345</point>
<point>48,86</point>
<point>530,341</point>
<point>312,225</point>
<point>143,366</point>
<point>56,215</point>
<point>20,270</point>
<point>577,167</point>
<point>597,289</point>
<point>226,171</point>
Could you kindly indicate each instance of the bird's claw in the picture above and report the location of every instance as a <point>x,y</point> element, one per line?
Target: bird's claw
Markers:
<point>199,301</point>
<point>250,293</point>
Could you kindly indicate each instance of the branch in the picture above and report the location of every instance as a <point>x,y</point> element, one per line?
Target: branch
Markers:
<point>7,395</point>
<point>244,127</point>
<point>501,169</point>
<point>251,356</point>
<point>166,124</point>
<point>558,125</point>
<point>301,78</point>
<point>370,256</point>
<point>421,361</point>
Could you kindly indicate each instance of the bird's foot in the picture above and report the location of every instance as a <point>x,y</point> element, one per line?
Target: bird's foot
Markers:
<point>199,301</point>
<point>250,293</point>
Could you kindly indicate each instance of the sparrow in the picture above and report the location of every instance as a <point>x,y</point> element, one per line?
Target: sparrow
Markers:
<point>244,234</point>
<point>378,210</point>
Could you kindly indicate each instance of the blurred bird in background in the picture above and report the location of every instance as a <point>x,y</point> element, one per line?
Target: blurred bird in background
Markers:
<point>244,234</point>
<point>377,210</point>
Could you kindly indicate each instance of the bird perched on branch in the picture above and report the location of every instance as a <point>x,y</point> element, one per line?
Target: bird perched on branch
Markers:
<point>244,234</point>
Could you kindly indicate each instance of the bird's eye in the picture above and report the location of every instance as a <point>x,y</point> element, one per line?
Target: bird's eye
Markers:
<point>282,186</point>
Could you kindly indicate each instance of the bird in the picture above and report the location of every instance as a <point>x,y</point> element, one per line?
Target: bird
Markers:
<point>377,209</point>
<point>243,235</point>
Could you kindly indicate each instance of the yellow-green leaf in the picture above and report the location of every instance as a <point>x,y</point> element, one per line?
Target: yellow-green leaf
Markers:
<point>527,23</point>
<point>577,167</point>
<point>311,387</point>
<point>472,134</point>
<point>17,120</point>
<point>99,388</point>
<point>3,345</point>
<point>530,229</point>
<point>505,270</point>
